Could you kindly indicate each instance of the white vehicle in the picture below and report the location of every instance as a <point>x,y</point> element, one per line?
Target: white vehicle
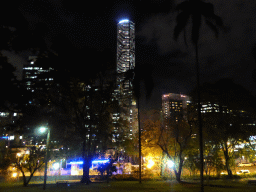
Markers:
<point>243,172</point>
<point>245,164</point>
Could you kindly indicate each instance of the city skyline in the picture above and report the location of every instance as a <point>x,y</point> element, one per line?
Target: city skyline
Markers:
<point>92,110</point>
<point>229,56</point>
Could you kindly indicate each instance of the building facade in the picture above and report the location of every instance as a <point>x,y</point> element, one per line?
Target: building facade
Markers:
<point>36,77</point>
<point>124,91</point>
<point>175,105</point>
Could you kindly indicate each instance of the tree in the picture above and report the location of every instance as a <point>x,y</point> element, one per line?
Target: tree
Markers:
<point>149,137</point>
<point>170,137</point>
<point>88,101</point>
<point>174,140</point>
<point>30,162</point>
<point>229,113</point>
<point>89,107</point>
<point>136,76</point>
<point>196,9</point>
<point>5,159</point>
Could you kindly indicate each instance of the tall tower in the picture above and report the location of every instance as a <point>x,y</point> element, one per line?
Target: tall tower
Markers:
<point>125,46</point>
<point>125,53</point>
<point>125,62</point>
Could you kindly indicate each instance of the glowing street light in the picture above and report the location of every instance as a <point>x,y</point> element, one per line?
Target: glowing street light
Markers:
<point>170,163</point>
<point>56,166</point>
<point>42,129</point>
<point>150,163</point>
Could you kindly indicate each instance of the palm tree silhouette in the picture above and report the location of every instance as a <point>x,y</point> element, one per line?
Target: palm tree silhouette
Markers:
<point>140,73</point>
<point>196,9</point>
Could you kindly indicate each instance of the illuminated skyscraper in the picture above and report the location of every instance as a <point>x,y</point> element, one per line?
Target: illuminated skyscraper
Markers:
<point>125,62</point>
<point>125,53</point>
<point>125,46</point>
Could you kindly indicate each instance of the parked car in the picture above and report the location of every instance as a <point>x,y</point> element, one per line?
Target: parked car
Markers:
<point>243,172</point>
<point>245,164</point>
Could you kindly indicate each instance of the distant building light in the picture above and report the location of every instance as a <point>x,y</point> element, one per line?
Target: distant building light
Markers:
<point>93,162</point>
<point>5,137</point>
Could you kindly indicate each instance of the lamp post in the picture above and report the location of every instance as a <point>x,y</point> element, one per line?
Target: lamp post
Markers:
<point>42,130</point>
<point>18,158</point>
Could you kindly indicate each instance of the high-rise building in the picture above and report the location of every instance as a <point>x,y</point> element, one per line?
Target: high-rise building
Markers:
<point>36,78</point>
<point>126,62</point>
<point>125,46</point>
<point>174,105</point>
<point>125,58</point>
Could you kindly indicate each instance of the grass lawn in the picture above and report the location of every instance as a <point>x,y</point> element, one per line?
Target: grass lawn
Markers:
<point>127,186</point>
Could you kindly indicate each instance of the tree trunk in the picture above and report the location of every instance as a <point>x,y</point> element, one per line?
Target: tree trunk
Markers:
<point>227,160</point>
<point>25,184</point>
<point>86,171</point>
<point>177,175</point>
<point>200,122</point>
<point>30,177</point>
<point>86,165</point>
<point>108,171</point>
<point>138,100</point>
<point>24,178</point>
<point>161,164</point>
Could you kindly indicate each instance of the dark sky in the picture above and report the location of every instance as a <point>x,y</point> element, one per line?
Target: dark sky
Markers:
<point>94,26</point>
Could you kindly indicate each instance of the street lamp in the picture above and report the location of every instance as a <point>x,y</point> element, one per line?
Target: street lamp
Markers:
<point>170,165</point>
<point>43,130</point>
<point>150,163</point>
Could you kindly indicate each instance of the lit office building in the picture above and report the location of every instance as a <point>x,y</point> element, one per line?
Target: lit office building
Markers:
<point>125,57</point>
<point>125,62</point>
<point>36,78</point>
<point>175,105</point>
<point>125,46</point>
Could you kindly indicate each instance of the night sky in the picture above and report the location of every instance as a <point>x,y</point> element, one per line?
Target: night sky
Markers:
<point>94,26</point>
